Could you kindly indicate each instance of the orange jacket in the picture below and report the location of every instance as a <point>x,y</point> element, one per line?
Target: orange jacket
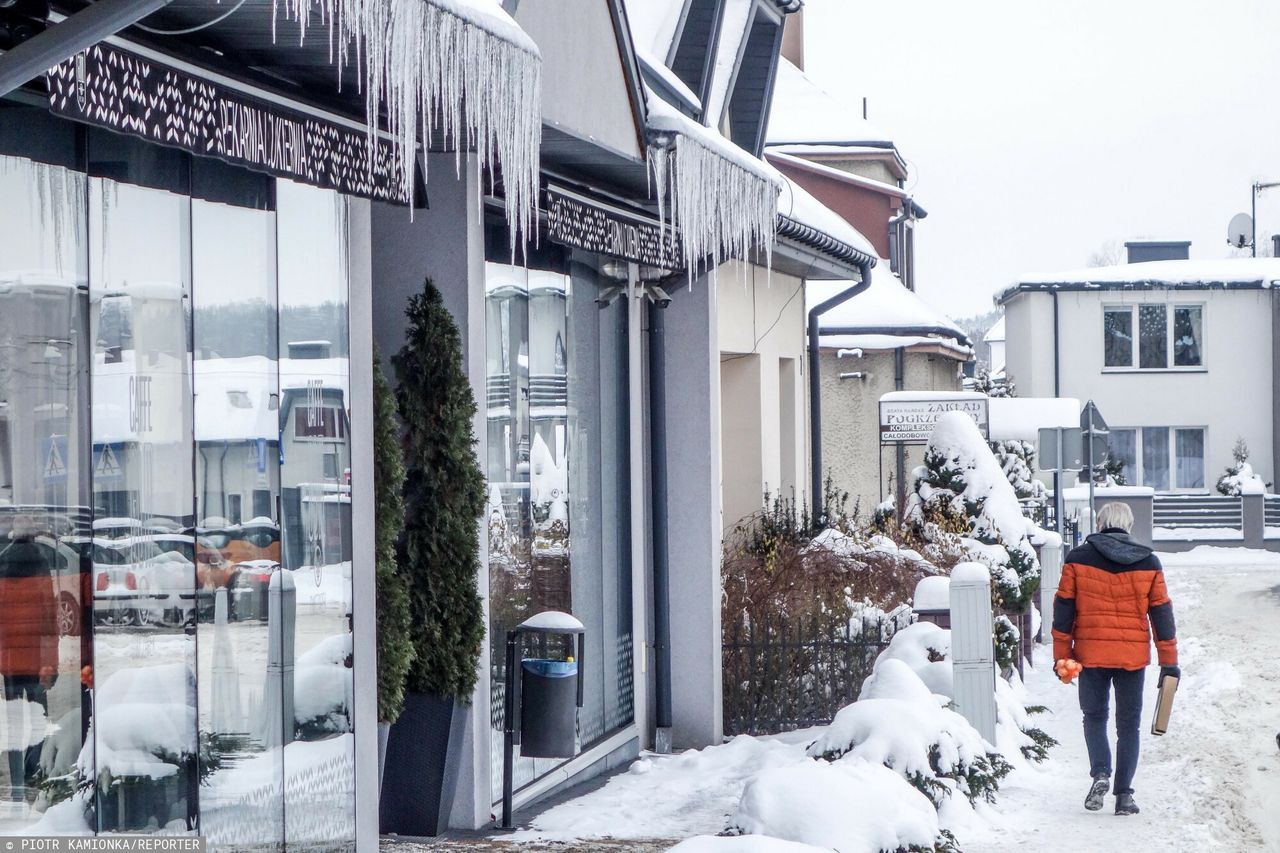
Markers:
<point>1111,599</point>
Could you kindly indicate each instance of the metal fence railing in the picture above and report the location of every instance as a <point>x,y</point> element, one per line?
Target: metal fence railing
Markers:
<point>1198,511</point>
<point>1271,511</point>
<point>797,672</point>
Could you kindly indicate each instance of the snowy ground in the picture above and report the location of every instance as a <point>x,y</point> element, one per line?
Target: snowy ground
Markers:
<point>1210,784</point>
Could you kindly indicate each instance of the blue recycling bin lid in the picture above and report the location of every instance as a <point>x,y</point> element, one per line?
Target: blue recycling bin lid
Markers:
<point>550,668</point>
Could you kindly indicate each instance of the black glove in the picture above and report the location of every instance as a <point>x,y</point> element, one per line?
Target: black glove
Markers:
<point>1174,671</point>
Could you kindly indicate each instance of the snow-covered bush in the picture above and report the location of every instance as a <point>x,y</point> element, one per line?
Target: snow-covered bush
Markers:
<point>1018,460</point>
<point>926,650</point>
<point>1007,639</point>
<point>902,725</point>
<point>961,490</point>
<point>853,806</point>
<point>1239,478</point>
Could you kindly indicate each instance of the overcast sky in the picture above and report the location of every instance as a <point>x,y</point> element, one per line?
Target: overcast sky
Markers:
<point>1036,132</point>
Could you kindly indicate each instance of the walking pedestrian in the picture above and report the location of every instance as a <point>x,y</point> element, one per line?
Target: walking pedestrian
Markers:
<point>1111,599</point>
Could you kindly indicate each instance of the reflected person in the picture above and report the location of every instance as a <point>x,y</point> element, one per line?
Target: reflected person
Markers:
<point>28,647</point>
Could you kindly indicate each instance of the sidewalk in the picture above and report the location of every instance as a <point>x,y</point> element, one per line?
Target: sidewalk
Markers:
<point>489,843</point>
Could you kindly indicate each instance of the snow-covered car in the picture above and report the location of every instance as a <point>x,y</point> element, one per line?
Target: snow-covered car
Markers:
<point>256,539</point>
<point>143,580</point>
<point>115,585</point>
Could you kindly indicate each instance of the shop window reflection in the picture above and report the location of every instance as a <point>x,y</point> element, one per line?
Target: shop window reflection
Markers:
<point>144,734</point>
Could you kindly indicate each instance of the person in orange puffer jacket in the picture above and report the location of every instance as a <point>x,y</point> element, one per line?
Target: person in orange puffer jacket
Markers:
<point>1111,600</point>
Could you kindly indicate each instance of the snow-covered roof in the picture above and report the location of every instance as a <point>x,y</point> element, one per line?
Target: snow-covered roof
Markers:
<point>996,332</point>
<point>735,20</point>
<point>885,304</point>
<point>1223,273</point>
<point>804,112</point>
<point>783,158</point>
<point>653,24</point>
<point>1022,418</point>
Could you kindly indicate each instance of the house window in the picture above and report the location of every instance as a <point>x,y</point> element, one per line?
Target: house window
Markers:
<point>318,422</point>
<point>1159,332</point>
<point>1163,458</point>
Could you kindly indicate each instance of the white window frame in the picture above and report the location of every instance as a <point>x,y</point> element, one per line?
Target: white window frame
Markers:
<point>1139,470</point>
<point>1135,356</point>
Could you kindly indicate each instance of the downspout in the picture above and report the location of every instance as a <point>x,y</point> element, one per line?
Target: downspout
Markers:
<point>658,498</point>
<point>815,382</point>
<point>1057,372</point>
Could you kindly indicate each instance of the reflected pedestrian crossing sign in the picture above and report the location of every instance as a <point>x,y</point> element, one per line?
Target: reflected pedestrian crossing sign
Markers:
<point>107,465</point>
<point>53,455</point>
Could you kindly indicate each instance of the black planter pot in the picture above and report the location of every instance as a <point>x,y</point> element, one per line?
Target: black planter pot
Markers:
<point>416,796</point>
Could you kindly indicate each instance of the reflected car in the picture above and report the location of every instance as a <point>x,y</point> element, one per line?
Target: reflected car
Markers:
<point>115,585</point>
<point>256,539</point>
<point>115,528</point>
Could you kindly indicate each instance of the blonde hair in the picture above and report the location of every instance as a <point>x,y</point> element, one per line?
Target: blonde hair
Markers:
<point>1115,514</point>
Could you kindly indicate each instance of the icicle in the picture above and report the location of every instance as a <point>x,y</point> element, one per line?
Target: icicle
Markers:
<point>433,66</point>
<point>721,208</point>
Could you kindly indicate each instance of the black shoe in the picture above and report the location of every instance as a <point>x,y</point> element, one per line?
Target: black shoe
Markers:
<point>1125,804</point>
<point>1097,791</point>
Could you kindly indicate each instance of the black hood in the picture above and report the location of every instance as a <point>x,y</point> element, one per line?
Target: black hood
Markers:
<point>1119,547</point>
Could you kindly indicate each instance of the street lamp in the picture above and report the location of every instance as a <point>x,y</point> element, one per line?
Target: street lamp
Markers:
<point>1253,201</point>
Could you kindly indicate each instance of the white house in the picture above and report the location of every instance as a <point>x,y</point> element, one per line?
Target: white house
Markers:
<point>1179,356</point>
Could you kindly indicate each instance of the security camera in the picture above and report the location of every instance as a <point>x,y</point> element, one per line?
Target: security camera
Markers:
<point>659,296</point>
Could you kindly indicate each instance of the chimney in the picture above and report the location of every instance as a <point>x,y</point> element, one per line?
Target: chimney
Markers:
<point>793,39</point>
<point>1141,251</point>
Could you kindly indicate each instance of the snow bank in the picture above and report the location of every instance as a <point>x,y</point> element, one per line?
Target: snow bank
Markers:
<point>1022,418</point>
<point>853,806</point>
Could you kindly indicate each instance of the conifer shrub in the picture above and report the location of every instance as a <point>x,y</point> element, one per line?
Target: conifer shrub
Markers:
<point>395,643</point>
<point>444,497</point>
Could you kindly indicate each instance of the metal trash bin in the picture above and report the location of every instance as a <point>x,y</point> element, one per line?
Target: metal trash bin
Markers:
<point>548,708</point>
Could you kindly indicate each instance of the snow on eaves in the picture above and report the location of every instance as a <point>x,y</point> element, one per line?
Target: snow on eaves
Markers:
<point>735,21</point>
<point>804,113</point>
<point>460,67</point>
<point>885,304</point>
<point>722,201</point>
<point>797,204</point>
<point>1226,272</point>
<point>653,24</point>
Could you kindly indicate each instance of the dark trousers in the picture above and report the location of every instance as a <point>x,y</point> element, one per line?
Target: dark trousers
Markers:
<point>1095,693</point>
<point>23,764</point>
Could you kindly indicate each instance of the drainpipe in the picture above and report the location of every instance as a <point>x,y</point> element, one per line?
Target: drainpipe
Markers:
<point>815,381</point>
<point>1057,372</point>
<point>658,497</point>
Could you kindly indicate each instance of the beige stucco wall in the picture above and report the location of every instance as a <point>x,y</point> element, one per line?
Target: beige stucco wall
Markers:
<point>762,387</point>
<point>851,449</point>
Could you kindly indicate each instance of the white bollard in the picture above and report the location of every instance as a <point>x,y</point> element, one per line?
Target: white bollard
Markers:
<point>1051,556</point>
<point>227,713</point>
<point>972,650</point>
<point>277,723</point>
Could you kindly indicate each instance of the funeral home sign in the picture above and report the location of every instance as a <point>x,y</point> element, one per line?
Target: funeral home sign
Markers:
<point>908,417</point>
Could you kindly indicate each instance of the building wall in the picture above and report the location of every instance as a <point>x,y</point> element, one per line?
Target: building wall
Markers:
<point>1231,397</point>
<point>1029,344</point>
<point>762,347</point>
<point>851,449</point>
<point>865,209</point>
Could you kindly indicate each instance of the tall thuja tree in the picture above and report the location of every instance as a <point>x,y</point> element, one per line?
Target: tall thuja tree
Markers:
<point>960,490</point>
<point>395,641</point>
<point>444,497</point>
<point>1017,459</point>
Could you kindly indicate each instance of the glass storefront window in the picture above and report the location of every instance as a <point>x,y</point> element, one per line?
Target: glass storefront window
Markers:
<point>557,465</point>
<point>175,498</point>
<point>44,489</point>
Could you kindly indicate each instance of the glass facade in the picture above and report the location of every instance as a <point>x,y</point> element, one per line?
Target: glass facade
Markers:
<point>175,496</point>
<point>558,470</point>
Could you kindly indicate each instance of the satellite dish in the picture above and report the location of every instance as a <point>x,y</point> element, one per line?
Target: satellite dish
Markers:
<point>1240,231</point>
